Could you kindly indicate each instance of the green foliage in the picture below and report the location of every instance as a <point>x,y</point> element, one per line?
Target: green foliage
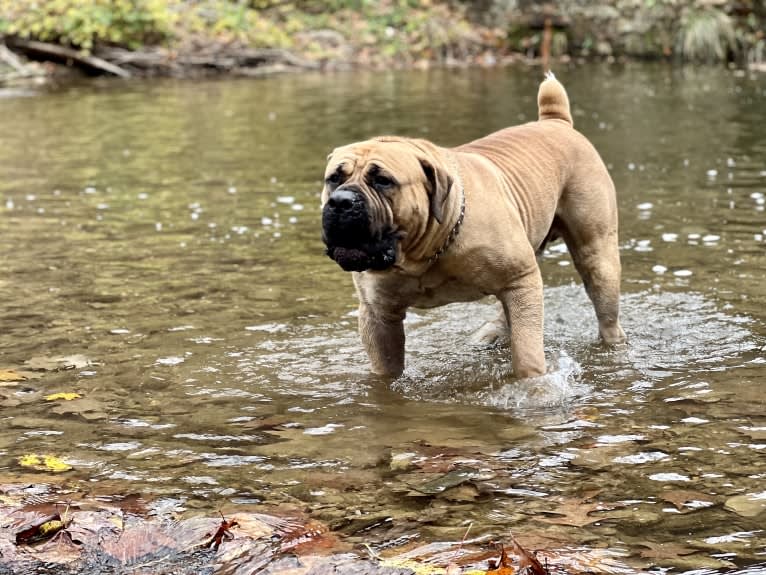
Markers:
<point>411,28</point>
<point>228,21</point>
<point>389,31</point>
<point>83,23</point>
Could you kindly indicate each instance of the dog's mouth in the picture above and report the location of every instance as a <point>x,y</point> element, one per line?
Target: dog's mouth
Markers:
<point>351,239</point>
<point>374,254</point>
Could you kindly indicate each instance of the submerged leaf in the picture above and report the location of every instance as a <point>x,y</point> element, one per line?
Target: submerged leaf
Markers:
<point>664,550</point>
<point>84,407</point>
<point>9,375</point>
<point>576,512</point>
<point>687,500</point>
<point>447,481</point>
<point>57,363</point>
<point>66,396</point>
<point>44,463</point>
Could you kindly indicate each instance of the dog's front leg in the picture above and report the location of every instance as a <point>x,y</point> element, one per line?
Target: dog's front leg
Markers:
<point>523,306</point>
<point>383,338</point>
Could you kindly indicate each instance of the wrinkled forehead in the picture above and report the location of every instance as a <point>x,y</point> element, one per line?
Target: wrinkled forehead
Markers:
<point>388,156</point>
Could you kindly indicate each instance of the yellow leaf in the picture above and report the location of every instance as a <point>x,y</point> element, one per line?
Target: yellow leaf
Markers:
<point>10,375</point>
<point>29,460</point>
<point>44,463</point>
<point>66,396</point>
<point>416,567</point>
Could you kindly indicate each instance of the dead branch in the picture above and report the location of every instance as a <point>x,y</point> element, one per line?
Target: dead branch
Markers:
<point>61,52</point>
<point>12,59</point>
<point>246,58</point>
<point>151,58</point>
<point>19,70</point>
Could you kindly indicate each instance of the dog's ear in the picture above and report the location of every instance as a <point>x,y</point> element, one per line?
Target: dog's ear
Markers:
<point>438,185</point>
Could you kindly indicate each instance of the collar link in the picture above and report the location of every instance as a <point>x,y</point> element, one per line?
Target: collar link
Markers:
<point>456,228</point>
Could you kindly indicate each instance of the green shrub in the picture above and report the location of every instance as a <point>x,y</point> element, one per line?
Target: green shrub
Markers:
<point>84,23</point>
<point>229,21</point>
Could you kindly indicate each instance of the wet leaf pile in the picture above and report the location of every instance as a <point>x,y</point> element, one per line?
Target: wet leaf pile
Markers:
<point>85,534</point>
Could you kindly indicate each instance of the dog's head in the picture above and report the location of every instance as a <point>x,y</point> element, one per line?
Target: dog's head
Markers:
<point>381,199</point>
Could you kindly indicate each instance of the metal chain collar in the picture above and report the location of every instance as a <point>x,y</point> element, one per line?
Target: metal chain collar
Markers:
<point>456,228</point>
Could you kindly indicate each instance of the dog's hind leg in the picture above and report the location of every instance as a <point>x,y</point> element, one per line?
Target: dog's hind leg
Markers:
<point>493,333</point>
<point>588,215</point>
<point>598,262</point>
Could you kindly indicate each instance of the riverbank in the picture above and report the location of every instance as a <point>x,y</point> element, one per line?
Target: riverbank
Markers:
<point>180,38</point>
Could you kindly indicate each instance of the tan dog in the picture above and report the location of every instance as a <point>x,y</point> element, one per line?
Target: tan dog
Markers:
<point>423,226</point>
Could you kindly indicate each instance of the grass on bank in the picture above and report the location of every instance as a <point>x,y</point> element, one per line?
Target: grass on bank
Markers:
<point>706,35</point>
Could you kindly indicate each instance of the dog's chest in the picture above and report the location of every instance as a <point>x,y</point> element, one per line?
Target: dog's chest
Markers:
<point>436,290</point>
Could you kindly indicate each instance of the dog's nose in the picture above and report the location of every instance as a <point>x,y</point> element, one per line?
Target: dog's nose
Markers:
<point>342,200</point>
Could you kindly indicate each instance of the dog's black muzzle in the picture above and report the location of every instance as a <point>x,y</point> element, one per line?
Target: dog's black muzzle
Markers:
<point>347,233</point>
<point>345,218</point>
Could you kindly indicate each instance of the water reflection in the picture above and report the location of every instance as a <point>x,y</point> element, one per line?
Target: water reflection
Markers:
<point>168,233</point>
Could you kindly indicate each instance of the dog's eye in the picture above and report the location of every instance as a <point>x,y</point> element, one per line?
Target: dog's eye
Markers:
<point>383,182</point>
<point>334,179</point>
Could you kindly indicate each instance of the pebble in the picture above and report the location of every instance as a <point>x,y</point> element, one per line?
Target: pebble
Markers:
<point>694,420</point>
<point>667,477</point>
<point>170,360</point>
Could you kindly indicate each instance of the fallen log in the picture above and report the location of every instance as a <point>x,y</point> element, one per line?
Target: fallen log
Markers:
<point>228,59</point>
<point>36,48</point>
<point>249,57</point>
<point>151,58</point>
<point>124,63</point>
<point>222,58</point>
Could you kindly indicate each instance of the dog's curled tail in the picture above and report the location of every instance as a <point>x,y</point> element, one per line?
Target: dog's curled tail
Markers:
<point>552,100</point>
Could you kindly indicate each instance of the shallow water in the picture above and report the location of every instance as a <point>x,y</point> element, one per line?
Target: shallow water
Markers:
<point>169,233</point>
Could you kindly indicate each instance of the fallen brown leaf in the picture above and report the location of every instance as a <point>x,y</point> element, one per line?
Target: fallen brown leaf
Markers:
<point>685,500</point>
<point>140,544</point>
<point>664,550</point>
<point>60,549</point>
<point>528,563</point>
<point>503,565</point>
<point>576,512</point>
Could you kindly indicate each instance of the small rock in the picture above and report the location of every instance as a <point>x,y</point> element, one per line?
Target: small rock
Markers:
<point>749,505</point>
